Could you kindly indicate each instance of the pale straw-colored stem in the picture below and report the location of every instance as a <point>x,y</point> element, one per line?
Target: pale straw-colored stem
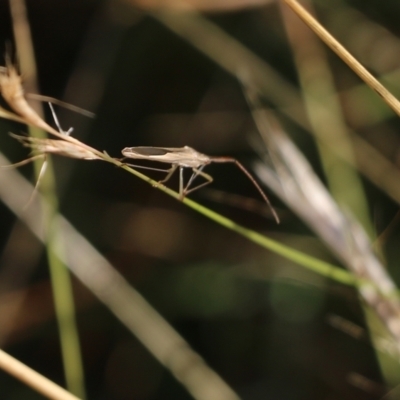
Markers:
<point>33,379</point>
<point>344,54</point>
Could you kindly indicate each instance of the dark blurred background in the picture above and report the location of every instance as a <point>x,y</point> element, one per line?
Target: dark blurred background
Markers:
<point>263,323</point>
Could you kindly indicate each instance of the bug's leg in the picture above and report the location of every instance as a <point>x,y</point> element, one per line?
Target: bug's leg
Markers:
<point>197,172</point>
<point>170,173</point>
<point>181,191</point>
<point>143,167</point>
<point>53,113</point>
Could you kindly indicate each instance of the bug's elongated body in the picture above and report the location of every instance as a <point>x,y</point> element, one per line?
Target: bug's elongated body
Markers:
<point>186,157</point>
<point>183,156</point>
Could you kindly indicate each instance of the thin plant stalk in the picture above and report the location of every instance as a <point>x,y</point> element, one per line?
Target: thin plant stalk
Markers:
<point>61,281</point>
<point>345,55</point>
<point>33,379</point>
<point>318,89</point>
<point>314,264</point>
<point>318,266</point>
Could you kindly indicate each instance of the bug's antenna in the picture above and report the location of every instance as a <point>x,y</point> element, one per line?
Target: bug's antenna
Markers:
<point>257,186</point>
<point>264,196</point>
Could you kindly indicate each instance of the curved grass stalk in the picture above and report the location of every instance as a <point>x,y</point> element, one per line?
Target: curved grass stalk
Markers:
<point>314,264</point>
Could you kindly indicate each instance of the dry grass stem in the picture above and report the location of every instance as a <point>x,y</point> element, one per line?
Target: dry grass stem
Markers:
<point>11,116</point>
<point>49,146</point>
<point>12,91</point>
<point>340,50</point>
<point>33,379</point>
<point>59,147</point>
<point>318,87</point>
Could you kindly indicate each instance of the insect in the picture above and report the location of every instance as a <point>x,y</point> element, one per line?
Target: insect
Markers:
<point>186,157</point>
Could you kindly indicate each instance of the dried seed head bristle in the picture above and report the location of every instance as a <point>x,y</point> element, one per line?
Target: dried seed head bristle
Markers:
<point>60,147</point>
<point>10,84</point>
<point>13,93</point>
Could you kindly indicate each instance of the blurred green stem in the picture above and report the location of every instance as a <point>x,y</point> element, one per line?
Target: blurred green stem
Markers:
<point>61,284</point>
<point>61,281</point>
<point>321,267</point>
